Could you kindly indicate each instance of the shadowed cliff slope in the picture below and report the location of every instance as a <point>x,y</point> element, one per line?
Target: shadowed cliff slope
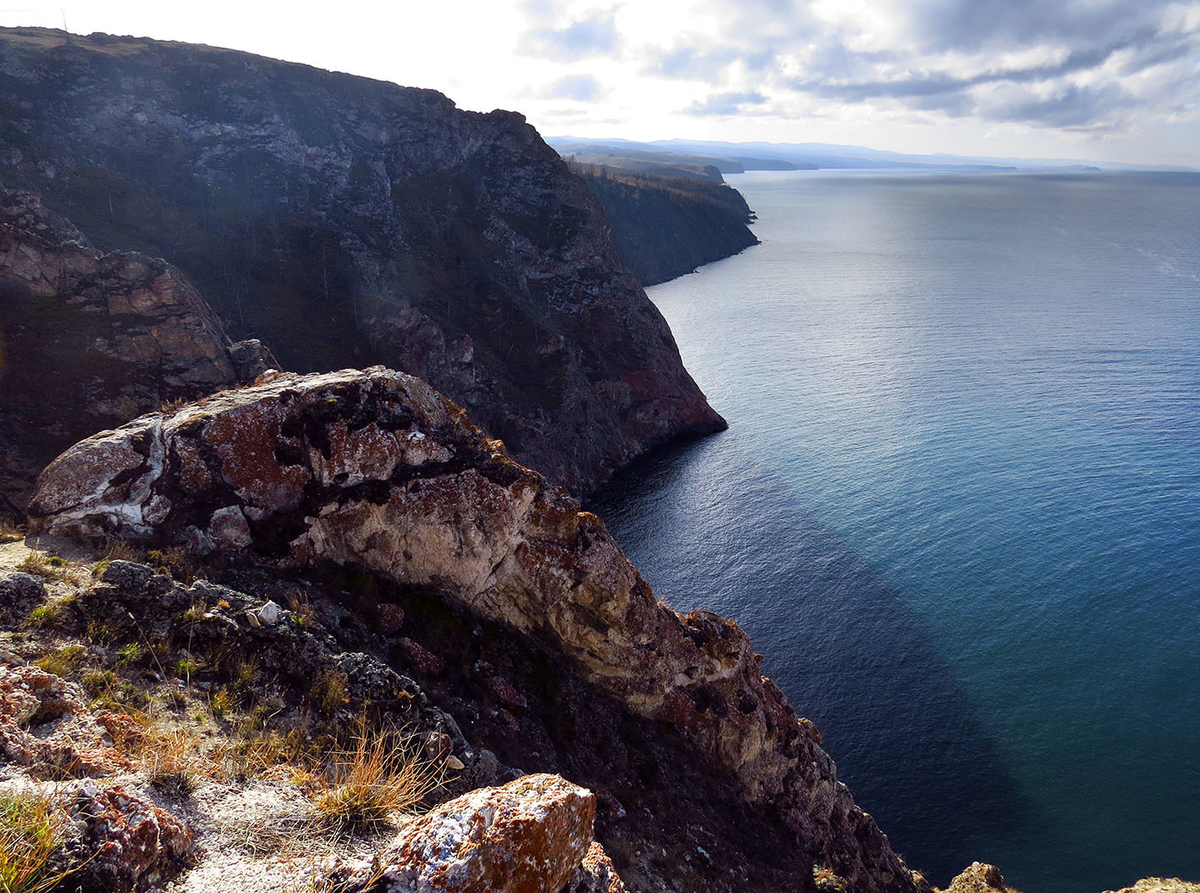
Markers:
<point>91,340</point>
<point>346,222</point>
<point>664,227</point>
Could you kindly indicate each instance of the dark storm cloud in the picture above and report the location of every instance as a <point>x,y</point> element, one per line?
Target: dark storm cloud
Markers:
<point>594,35</point>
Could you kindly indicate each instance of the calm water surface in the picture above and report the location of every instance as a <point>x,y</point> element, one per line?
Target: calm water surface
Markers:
<point>958,507</point>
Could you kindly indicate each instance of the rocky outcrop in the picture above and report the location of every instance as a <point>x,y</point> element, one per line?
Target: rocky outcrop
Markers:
<point>978,877</point>
<point>1161,885</point>
<point>375,470</point>
<point>596,874</point>
<point>348,222</point>
<point>91,340</point>
<point>665,227</point>
<point>530,835</point>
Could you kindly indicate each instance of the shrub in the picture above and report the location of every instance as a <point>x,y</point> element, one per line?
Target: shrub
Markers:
<point>44,616</point>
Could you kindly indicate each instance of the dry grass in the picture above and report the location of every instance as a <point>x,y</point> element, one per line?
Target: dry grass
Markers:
<point>174,760</point>
<point>328,691</point>
<point>378,776</point>
<point>39,564</point>
<point>31,828</point>
<point>10,532</point>
<point>62,661</point>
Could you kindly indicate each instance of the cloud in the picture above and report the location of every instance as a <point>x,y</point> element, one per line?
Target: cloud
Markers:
<point>594,35</point>
<point>1072,64</point>
<point>579,87</point>
<point>726,103</point>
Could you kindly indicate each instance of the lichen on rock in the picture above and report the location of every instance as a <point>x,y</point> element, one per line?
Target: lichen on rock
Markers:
<point>529,835</point>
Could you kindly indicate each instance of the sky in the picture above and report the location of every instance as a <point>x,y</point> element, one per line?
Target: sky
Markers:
<point>1105,80</point>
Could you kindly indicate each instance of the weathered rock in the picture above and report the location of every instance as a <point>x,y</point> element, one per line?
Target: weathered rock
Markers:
<point>91,340</point>
<point>528,836</point>
<point>376,470</point>
<point>978,877</point>
<point>1161,885</point>
<point>596,874</point>
<point>19,594</point>
<point>124,844</point>
<point>349,222</point>
<point>45,726</point>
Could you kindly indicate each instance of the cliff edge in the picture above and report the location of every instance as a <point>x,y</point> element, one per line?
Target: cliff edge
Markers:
<point>347,222</point>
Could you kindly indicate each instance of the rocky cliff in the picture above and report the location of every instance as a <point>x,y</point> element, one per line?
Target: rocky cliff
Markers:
<point>90,340</point>
<point>348,222</point>
<point>375,473</point>
<point>664,227</point>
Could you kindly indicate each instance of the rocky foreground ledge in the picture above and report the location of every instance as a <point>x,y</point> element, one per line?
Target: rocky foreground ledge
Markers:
<point>377,472</point>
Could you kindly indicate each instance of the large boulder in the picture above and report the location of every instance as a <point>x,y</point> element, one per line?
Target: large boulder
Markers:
<point>375,470</point>
<point>529,836</point>
<point>91,340</point>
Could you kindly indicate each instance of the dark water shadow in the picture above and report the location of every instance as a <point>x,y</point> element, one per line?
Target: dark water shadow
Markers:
<point>710,528</point>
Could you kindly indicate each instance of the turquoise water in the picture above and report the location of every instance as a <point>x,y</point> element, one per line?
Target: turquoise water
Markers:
<point>958,506</point>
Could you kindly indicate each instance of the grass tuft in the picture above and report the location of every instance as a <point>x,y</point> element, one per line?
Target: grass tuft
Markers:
<point>31,828</point>
<point>375,778</point>
<point>62,661</point>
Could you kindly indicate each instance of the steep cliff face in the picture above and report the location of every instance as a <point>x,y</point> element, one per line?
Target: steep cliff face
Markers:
<point>376,471</point>
<point>347,222</point>
<point>91,340</point>
<point>664,227</point>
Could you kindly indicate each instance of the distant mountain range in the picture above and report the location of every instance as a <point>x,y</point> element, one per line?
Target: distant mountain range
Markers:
<point>729,157</point>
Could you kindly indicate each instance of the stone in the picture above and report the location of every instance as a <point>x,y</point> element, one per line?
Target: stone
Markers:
<point>1161,885</point>
<point>268,614</point>
<point>492,538</point>
<point>528,836</point>
<point>45,726</point>
<point>978,877</point>
<point>125,844</point>
<point>20,593</point>
<point>596,874</point>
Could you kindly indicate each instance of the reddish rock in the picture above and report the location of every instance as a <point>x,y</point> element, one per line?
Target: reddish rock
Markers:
<point>391,618</point>
<point>424,661</point>
<point>596,874</point>
<point>46,727</point>
<point>127,845</point>
<point>528,836</point>
<point>489,536</point>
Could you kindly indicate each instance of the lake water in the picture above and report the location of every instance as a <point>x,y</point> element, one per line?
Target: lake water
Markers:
<point>958,506</point>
